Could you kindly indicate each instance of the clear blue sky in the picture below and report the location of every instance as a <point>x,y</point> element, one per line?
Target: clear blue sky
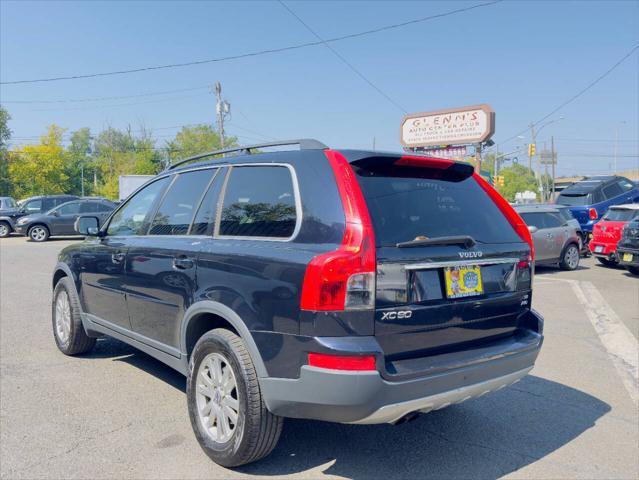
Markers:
<point>522,58</point>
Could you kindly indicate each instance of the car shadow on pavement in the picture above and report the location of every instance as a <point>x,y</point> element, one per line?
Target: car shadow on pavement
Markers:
<point>107,347</point>
<point>483,438</point>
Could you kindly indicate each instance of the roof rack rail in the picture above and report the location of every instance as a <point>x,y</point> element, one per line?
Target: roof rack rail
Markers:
<point>304,143</point>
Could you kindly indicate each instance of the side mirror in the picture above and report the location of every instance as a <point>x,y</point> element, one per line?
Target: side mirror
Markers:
<point>56,213</point>
<point>532,228</point>
<point>89,226</point>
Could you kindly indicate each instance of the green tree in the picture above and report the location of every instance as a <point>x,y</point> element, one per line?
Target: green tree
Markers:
<point>40,169</point>
<point>196,139</point>
<point>121,153</point>
<point>5,136</point>
<point>517,178</point>
<point>80,163</point>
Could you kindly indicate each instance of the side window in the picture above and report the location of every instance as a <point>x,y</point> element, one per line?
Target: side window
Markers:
<point>33,206</point>
<point>552,220</point>
<point>49,203</point>
<point>626,185</point>
<point>259,202</point>
<point>105,207</point>
<point>179,204</point>
<point>70,208</point>
<point>88,207</point>
<point>205,217</point>
<point>130,219</point>
<point>612,190</point>
<point>533,219</point>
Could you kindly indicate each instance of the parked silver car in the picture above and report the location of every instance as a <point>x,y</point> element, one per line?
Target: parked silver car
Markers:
<point>556,240</point>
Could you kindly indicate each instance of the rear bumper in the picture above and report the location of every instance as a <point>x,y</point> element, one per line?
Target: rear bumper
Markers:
<point>367,397</point>
<point>603,249</point>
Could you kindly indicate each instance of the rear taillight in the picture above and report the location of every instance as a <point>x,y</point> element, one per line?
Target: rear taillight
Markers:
<point>509,212</point>
<point>344,279</point>
<point>342,362</point>
<point>592,213</point>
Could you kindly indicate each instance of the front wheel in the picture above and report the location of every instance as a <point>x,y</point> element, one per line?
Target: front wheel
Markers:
<point>226,408</point>
<point>39,233</point>
<point>570,258</point>
<point>5,229</point>
<point>68,331</point>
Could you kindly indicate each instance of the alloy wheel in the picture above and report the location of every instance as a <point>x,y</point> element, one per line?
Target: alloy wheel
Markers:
<point>4,230</point>
<point>38,234</point>
<point>217,397</point>
<point>572,257</point>
<point>63,317</point>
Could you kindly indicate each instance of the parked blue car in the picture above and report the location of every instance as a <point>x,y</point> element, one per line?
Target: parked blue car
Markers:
<point>591,197</point>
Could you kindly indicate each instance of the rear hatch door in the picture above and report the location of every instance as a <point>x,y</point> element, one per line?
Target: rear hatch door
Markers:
<point>447,258</point>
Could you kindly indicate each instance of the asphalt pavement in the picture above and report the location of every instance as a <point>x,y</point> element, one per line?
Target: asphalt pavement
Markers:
<point>118,413</point>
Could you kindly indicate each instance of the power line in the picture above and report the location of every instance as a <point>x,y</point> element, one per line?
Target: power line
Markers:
<point>577,95</point>
<point>99,99</point>
<point>346,62</point>
<point>256,53</point>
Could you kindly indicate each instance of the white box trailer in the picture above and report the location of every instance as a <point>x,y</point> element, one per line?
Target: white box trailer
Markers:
<point>130,183</point>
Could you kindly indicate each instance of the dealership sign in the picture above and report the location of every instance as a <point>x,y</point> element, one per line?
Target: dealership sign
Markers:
<point>455,126</point>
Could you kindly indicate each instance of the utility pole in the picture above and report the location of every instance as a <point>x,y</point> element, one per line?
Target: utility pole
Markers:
<point>554,160</point>
<point>373,143</point>
<point>478,158</point>
<point>222,109</point>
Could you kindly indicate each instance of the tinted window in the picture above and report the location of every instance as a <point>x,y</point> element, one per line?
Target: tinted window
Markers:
<point>33,206</point>
<point>626,185</point>
<point>8,203</point>
<point>88,207</point>
<point>205,216</point>
<point>405,203</point>
<point>612,190</point>
<point>620,215</point>
<point>105,206</point>
<point>574,199</point>
<point>534,219</point>
<point>565,214</point>
<point>259,202</point>
<point>130,219</point>
<point>178,205</point>
<point>69,208</point>
<point>552,220</point>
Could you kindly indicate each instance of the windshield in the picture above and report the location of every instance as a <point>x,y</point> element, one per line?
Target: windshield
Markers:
<point>8,203</point>
<point>620,215</point>
<point>405,203</point>
<point>573,200</point>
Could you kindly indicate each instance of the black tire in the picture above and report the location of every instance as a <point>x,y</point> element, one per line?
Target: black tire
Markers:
<point>77,341</point>
<point>257,430</point>
<point>5,229</point>
<point>633,270</point>
<point>38,233</point>
<point>608,263</point>
<point>570,257</point>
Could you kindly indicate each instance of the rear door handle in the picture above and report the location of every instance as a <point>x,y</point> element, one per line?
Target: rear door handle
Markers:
<point>182,263</point>
<point>118,257</point>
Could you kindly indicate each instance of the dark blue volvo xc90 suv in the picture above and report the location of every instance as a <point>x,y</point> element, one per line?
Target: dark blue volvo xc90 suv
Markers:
<point>346,286</point>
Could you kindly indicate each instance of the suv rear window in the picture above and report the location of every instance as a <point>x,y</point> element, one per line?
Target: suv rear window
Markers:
<point>406,202</point>
<point>259,202</point>
<point>574,200</point>
<point>620,215</point>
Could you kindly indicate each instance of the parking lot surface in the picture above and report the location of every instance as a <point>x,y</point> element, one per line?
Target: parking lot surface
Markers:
<point>118,413</point>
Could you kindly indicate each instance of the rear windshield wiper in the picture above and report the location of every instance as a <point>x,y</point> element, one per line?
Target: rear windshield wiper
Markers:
<point>465,241</point>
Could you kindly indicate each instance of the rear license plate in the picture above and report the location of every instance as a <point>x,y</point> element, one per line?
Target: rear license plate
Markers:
<point>627,257</point>
<point>463,281</point>
<point>599,248</point>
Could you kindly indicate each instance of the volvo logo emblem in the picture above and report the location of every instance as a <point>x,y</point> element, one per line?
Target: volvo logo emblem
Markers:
<point>471,254</point>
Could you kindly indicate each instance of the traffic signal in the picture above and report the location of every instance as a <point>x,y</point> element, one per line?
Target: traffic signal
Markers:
<point>498,180</point>
<point>531,149</point>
